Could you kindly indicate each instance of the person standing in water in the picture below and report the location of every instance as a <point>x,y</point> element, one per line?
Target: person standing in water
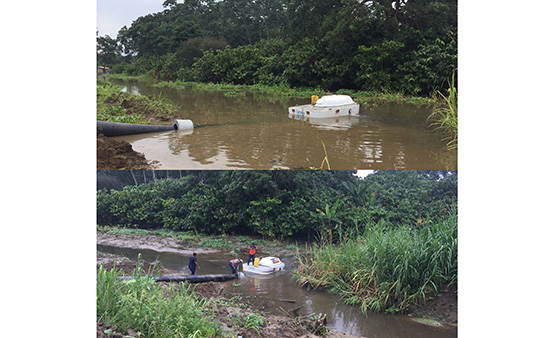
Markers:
<point>251,253</point>
<point>193,264</point>
<point>234,263</point>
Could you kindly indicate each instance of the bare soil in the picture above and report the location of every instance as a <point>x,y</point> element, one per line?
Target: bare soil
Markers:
<point>117,154</point>
<point>441,309</point>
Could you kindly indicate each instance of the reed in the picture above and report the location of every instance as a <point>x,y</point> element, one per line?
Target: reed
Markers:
<point>384,269</point>
<point>445,115</point>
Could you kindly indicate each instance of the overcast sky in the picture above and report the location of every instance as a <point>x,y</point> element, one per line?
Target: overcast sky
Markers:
<point>114,14</point>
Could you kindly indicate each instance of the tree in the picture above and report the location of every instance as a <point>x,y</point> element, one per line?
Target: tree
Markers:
<point>108,51</point>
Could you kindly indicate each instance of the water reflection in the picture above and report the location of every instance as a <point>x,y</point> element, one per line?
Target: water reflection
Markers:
<point>330,123</point>
<point>250,130</point>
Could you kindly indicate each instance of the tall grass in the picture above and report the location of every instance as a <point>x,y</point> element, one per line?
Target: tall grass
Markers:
<point>151,309</point>
<point>445,115</point>
<point>385,269</point>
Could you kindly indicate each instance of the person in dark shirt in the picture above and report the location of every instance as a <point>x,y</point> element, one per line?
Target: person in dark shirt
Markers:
<point>193,264</point>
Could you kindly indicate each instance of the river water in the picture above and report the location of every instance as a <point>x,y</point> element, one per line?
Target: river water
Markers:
<point>252,130</point>
<point>269,291</point>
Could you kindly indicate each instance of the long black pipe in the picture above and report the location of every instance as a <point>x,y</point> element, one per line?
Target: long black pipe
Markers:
<point>191,278</point>
<point>120,129</point>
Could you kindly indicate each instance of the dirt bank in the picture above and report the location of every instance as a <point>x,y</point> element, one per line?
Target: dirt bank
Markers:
<point>439,310</point>
<point>275,326</point>
<point>117,154</point>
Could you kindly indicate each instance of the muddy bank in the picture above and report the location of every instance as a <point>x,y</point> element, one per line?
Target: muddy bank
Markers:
<point>442,308</point>
<point>438,311</point>
<point>274,326</point>
<point>170,244</point>
<point>119,155</point>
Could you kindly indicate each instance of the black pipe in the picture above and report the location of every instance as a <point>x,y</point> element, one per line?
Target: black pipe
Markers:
<point>120,129</point>
<point>191,278</point>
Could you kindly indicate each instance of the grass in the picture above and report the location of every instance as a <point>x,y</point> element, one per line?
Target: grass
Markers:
<point>114,105</point>
<point>385,269</point>
<point>215,243</point>
<point>125,231</point>
<point>119,114</point>
<point>362,97</point>
<point>154,311</point>
<point>445,115</point>
<point>253,321</point>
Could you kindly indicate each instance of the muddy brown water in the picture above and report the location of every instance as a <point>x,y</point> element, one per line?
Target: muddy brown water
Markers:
<point>277,290</point>
<point>250,130</point>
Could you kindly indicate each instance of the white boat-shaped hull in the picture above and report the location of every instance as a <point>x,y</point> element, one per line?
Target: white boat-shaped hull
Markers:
<point>327,107</point>
<point>266,266</point>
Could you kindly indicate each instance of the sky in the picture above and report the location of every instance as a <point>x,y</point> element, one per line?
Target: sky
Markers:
<point>112,15</point>
<point>363,173</point>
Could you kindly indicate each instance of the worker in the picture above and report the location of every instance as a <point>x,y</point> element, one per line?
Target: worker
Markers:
<point>234,263</point>
<point>193,264</point>
<point>251,253</point>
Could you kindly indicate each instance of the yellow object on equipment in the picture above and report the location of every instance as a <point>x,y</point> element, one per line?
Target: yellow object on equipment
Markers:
<point>314,99</point>
<point>256,262</point>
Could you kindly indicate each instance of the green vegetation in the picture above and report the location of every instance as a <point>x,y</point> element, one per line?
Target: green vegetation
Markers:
<point>384,268</point>
<point>215,243</point>
<point>112,104</point>
<point>271,204</point>
<point>382,242</point>
<point>151,309</point>
<point>408,47</point>
<point>445,115</point>
<point>119,114</point>
<point>253,321</point>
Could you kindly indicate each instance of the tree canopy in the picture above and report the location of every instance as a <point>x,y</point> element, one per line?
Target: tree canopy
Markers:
<point>273,204</point>
<point>407,46</point>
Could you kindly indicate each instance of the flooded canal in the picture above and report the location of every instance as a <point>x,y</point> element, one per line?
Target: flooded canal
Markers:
<point>270,291</point>
<point>251,130</point>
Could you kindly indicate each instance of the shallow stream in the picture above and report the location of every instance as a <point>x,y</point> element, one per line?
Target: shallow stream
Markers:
<point>271,291</point>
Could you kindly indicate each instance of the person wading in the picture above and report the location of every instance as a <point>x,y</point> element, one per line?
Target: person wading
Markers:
<point>234,263</point>
<point>251,253</point>
<point>193,264</point>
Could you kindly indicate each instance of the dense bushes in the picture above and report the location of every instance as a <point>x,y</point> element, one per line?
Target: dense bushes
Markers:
<point>387,67</point>
<point>277,204</point>
<point>359,45</point>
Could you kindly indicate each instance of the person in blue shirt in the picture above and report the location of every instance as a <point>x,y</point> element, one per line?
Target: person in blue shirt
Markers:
<point>193,264</point>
